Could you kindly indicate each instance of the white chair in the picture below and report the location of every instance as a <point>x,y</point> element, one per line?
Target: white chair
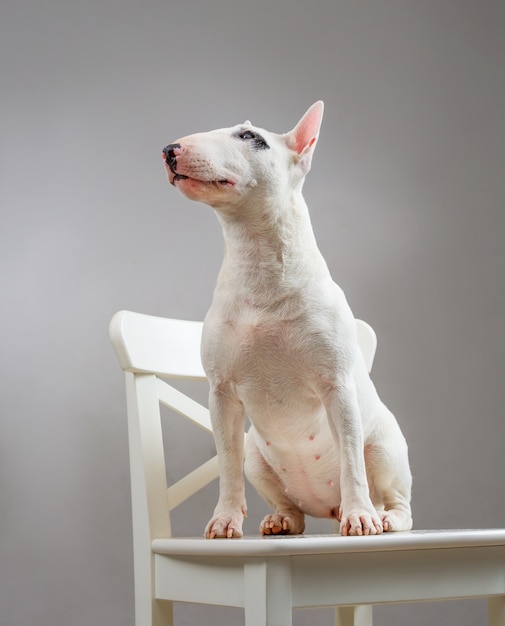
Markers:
<point>270,576</point>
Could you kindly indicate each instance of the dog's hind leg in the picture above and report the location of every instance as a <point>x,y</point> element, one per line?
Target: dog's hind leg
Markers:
<point>389,477</point>
<point>287,518</point>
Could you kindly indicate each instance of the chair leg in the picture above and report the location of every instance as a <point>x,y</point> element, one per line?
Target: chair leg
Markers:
<point>361,615</point>
<point>267,592</point>
<point>496,611</point>
<point>148,610</point>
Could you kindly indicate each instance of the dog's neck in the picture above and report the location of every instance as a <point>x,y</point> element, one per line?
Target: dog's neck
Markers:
<point>270,251</point>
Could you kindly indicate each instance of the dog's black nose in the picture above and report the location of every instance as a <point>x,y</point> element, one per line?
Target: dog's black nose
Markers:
<point>171,151</point>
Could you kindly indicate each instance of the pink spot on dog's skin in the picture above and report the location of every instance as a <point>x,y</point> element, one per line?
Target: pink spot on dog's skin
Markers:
<point>269,443</point>
<point>317,457</point>
<point>312,437</point>
<point>287,490</point>
<point>331,483</point>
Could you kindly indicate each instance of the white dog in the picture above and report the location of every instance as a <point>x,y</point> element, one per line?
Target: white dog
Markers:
<point>279,344</point>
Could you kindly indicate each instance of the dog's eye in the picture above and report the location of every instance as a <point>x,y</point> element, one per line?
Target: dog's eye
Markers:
<point>258,142</point>
<point>247,134</point>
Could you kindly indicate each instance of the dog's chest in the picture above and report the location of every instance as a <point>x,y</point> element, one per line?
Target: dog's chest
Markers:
<point>278,368</point>
<point>264,348</point>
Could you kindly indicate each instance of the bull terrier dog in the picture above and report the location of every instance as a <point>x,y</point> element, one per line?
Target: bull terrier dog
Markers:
<point>280,345</point>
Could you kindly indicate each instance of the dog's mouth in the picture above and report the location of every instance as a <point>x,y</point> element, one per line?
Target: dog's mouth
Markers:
<point>221,182</point>
<point>174,176</point>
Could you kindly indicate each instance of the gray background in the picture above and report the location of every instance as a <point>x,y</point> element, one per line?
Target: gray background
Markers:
<point>407,200</point>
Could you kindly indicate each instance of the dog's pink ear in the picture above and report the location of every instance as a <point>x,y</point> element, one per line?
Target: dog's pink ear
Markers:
<point>304,135</point>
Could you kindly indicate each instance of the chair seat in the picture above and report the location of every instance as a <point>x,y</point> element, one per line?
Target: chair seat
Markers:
<point>285,545</point>
<point>330,570</point>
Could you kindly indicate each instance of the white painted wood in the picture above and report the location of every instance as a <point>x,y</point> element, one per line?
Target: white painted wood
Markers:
<point>145,343</point>
<point>190,484</point>
<point>180,403</point>
<point>302,545</point>
<point>150,513</point>
<point>268,577</point>
<point>267,592</point>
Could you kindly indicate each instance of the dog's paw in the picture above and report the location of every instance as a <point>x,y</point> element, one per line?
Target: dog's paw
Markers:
<point>225,527</point>
<point>360,522</point>
<point>396,520</point>
<point>278,524</point>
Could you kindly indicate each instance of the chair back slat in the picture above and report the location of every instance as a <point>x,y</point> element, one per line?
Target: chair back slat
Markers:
<point>182,404</point>
<point>167,347</point>
<point>190,484</point>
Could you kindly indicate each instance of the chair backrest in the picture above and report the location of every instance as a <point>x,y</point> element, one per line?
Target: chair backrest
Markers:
<point>150,349</point>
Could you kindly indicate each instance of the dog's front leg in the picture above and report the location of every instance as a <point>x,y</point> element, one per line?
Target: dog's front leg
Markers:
<point>358,516</point>
<point>227,417</point>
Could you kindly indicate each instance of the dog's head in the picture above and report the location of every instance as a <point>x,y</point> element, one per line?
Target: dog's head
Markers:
<point>231,168</point>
